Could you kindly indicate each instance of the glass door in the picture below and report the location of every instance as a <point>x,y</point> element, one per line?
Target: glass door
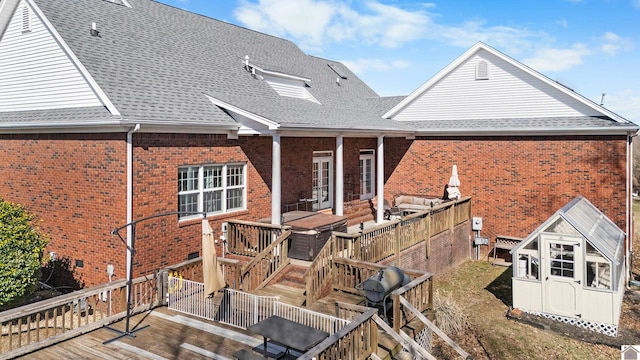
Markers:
<point>322,183</point>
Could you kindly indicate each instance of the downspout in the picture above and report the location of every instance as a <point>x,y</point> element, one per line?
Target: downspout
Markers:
<point>130,194</point>
<point>339,175</point>
<point>380,180</point>
<point>276,181</point>
<point>629,206</point>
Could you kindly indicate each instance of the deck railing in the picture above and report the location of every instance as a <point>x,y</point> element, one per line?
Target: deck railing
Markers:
<point>380,242</point>
<point>35,326</point>
<point>192,270</point>
<point>267,264</point>
<point>357,340</point>
<point>250,238</point>
<point>242,309</point>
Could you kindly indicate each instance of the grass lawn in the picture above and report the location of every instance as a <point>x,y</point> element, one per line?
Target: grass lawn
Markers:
<point>483,292</point>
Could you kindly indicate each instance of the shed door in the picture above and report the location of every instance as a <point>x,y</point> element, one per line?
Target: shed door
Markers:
<point>563,267</point>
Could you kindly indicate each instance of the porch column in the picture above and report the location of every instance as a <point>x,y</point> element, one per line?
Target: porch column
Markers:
<point>339,176</point>
<point>276,181</point>
<point>380,180</point>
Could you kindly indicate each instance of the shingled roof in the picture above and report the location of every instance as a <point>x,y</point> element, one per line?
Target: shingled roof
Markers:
<point>160,64</point>
<point>163,66</point>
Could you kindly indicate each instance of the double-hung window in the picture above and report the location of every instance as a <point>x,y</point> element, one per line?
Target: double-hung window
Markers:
<point>213,189</point>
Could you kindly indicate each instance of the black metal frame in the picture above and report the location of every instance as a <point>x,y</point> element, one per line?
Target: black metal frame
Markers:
<point>127,331</point>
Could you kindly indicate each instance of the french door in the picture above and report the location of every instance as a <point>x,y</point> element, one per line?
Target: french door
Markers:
<point>322,181</point>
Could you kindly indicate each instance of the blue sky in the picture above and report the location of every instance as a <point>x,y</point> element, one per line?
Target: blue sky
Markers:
<point>591,46</point>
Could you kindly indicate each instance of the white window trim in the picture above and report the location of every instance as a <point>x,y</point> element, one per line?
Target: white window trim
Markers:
<point>370,155</point>
<point>201,190</point>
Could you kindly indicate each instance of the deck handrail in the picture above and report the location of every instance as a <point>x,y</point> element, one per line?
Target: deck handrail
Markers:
<point>192,270</point>
<point>249,238</point>
<point>382,241</point>
<point>35,326</point>
<point>435,328</point>
<point>268,263</point>
<point>361,334</point>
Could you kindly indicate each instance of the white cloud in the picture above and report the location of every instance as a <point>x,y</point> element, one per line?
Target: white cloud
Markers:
<point>612,44</point>
<point>550,59</point>
<point>315,24</point>
<point>312,23</point>
<point>624,103</point>
<point>306,20</point>
<point>564,23</point>
<point>361,66</point>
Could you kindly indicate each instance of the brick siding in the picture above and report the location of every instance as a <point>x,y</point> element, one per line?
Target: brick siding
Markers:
<point>76,184</point>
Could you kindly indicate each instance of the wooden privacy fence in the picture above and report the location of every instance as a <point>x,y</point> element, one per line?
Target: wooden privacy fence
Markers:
<point>383,241</point>
<point>35,326</point>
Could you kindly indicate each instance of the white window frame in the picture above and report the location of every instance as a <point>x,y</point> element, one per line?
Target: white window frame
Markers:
<point>364,156</point>
<point>223,187</point>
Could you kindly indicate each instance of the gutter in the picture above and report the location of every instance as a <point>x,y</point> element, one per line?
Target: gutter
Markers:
<point>629,207</point>
<point>130,195</point>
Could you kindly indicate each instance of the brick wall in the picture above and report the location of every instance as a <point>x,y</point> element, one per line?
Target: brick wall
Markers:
<point>448,250</point>
<point>76,185</point>
<point>516,183</point>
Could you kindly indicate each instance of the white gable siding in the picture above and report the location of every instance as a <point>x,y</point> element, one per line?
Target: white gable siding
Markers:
<point>35,72</point>
<point>508,93</point>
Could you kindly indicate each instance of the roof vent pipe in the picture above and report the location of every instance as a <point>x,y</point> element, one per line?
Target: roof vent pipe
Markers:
<point>338,81</point>
<point>94,30</point>
<point>246,62</point>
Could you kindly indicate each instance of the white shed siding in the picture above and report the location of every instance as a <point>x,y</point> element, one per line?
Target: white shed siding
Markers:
<point>599,306</point>
<point>36,73</point>
<point>508,93</point>
<point>527,295</point>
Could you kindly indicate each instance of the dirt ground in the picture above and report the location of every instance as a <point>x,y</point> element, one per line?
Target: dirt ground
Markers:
<point>483,292</point>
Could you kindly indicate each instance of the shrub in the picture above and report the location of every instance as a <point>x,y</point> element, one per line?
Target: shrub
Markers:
<point>449,315</point>
<point>21,251</point>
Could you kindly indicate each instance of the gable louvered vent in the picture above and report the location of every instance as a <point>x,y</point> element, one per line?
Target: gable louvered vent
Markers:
<point>120,2</point>
<point>482,71</point>
<point>26,19</point>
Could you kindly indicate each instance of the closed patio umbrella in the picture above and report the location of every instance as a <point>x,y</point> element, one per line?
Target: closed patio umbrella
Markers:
<point>213,278</point>
<point>454,182</point>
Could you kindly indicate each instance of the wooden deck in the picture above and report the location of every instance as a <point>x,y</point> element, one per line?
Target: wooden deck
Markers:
<point>173,335</point>
<point>170,335</point>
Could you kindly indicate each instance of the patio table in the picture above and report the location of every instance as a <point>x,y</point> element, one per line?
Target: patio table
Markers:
<point>289,333</point>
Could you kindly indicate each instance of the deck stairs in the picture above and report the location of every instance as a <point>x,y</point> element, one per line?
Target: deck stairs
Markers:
<point>289,287</point>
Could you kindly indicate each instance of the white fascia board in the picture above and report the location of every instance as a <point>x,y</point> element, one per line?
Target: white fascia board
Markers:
<point>272,125</point>
<point>482,46</point>
<point>85,73</point>
<point>527,132</point>
<point>279,74</point>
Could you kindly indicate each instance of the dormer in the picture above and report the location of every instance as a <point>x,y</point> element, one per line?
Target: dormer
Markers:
<point>284,84</point>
